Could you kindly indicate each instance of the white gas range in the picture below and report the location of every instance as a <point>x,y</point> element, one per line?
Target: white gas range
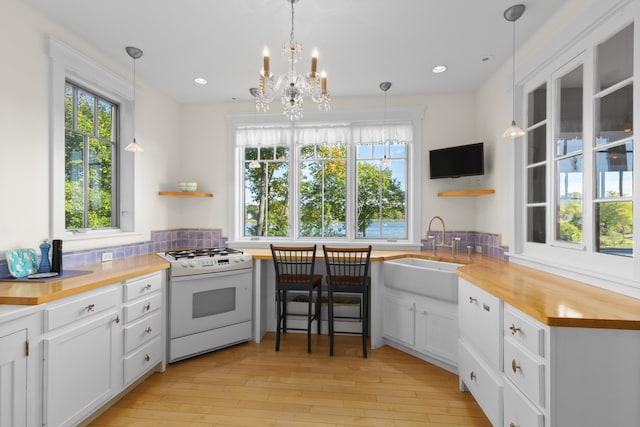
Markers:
<point>210,300</point>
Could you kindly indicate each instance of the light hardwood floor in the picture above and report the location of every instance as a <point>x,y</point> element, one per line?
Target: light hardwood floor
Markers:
<point>252,385</point>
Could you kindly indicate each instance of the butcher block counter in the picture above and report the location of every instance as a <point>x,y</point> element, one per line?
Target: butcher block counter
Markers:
<point>551,299</point>
<point>105,273</point>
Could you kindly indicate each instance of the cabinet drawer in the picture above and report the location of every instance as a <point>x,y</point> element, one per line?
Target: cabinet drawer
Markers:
<point>142,286</point>
<point>524,330</point>
<point>480,317</point>
<point>142,360</point>
<point>525,370</point>
<point>485,387</point>
<point>518,410</point>
<point>141,307</point>
<point>79,308</point>
<point>142,331</point>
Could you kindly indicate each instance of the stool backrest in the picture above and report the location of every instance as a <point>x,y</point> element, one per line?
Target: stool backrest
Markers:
<point>294,261</point>
<point>347,266</point>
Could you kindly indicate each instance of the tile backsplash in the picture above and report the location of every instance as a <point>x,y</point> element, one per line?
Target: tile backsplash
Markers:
<point>165,240</point>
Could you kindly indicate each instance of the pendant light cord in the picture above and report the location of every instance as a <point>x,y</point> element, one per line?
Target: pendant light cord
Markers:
<point>513,75</point>
<point>133,127</point>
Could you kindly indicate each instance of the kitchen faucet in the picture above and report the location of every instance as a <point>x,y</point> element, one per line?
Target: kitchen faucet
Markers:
<point>454,240</point>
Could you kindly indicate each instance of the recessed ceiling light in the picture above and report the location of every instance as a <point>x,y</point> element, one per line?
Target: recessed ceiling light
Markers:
<point>200,80</point>
<point>439,69</point>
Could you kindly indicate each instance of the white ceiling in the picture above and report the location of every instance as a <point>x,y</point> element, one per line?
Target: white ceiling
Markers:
<point>360,42</point>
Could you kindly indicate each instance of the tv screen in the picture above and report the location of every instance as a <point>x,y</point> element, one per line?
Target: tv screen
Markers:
<point>453,162</point>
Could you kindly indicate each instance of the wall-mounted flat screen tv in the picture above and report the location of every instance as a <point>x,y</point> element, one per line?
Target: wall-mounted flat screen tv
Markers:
<point>453,162</point>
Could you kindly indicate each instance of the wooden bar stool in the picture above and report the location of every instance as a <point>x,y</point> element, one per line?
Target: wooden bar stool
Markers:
<point>294,268</point>
<point>348,273</point>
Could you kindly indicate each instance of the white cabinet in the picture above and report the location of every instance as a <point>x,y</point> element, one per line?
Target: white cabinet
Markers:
<point>19,372</point>
<point>480,350</point>
<point>81,353</point>
<point>424,327</point>
<point>143,317</point>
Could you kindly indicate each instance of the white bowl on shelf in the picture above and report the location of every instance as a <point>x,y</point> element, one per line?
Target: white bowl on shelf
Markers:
<point>188,186</point>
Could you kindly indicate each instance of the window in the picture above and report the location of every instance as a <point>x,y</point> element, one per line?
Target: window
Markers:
<point>92,177</point>
<point>91,138</point>
<point>577,200</point>
<point>331,181</point>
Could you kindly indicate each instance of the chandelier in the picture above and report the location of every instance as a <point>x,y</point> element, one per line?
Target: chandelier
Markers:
<point>291,86</point>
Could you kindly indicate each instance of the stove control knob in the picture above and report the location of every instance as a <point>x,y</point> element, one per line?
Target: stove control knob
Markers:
<point>192,264</point>
<point>184,264</point>
<point>236,259</point>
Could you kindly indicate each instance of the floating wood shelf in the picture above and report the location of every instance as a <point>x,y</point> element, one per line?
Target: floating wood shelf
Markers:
<point>184,194</point>
<point>463,193</point>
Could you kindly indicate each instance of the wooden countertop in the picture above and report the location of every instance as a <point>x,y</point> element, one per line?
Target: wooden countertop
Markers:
<point>106,273</point>
<point>551,299</point>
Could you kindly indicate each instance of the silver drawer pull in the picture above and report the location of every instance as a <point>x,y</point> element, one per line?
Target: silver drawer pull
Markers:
<point>147,357</point>
<point>147,287</point>
<point>117,319</point>
<point>486,307</point>
<point>147,307</point>
<point>90,307</point>
<point>148,330</point>
<point>514,366</point>
<point>472,375</point>
<point>514,329</point>
<point>472,300</point>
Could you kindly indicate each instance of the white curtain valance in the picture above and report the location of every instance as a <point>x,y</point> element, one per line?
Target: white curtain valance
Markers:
<point>325,135</point>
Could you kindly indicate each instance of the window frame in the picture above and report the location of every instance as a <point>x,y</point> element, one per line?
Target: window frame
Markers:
<point>579,261</point>
<point>413,200</point>
<point>69,64</point>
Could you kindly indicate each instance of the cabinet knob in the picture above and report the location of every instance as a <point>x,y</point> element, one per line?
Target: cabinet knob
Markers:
<point>147,287</point>
<point>117,319</point>
<point>147,357</point>
<point>514,329</point>
<point>148,330</point>
<point>90,307</point>
<point>486,307</point>
<point>514,366</point>
<point>147,307</point>
<point>472,300</point>
<point>472,375</point>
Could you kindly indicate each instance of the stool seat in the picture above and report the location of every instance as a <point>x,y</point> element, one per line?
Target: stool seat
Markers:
<point>294,268</point>
<point>348,273</point>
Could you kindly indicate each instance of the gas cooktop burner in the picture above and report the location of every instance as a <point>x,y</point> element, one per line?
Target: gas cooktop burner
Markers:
<point>202,252</point>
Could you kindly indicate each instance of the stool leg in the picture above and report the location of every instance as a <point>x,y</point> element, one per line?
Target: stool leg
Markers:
<point>309,319</point>
<point>319,308</point>
<point>278,318</point>
<point>331,331</point>
<point>283,301</point>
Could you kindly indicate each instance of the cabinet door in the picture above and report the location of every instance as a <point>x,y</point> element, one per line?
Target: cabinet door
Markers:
<point>399,319</point>
<point>437,331</point>
<point>80,364</point>
<point>13,379</point>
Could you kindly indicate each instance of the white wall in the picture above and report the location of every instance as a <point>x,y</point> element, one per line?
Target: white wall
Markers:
<point>24,133</point>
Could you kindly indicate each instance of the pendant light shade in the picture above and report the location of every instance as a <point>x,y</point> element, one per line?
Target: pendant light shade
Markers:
<point>134,147</point>
<point>512,14</point>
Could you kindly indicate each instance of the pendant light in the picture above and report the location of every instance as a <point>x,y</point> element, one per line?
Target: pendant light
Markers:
<point>512,14</point>
<point>385,86</point>
<point>254,164</point>
<point>134,53</point>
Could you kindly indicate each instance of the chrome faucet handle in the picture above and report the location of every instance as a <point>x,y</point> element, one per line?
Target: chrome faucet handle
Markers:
<point>454,246</point>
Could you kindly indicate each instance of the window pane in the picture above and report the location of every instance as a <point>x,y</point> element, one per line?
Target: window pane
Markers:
<point>537,105</point>
<point>85,112</point>
<point>323,198</point>
<point>536,224</point>
<point>68,106</point>
<point>569,199</point>
<point>74,180</point>
<point>615,59</point>
<point>381,198</point>
<point>536,184</point>
<point>266,197</point>
<point>614,172</point>
<point>569,138</point>
<point>251,153</point>
<point>100,209</point>
<point>537,145</point>
<point>614,120</point>
<point>106,120</point>
<point>614,224</point>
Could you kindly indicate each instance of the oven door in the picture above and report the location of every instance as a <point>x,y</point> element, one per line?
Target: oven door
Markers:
<point>209,301</point>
